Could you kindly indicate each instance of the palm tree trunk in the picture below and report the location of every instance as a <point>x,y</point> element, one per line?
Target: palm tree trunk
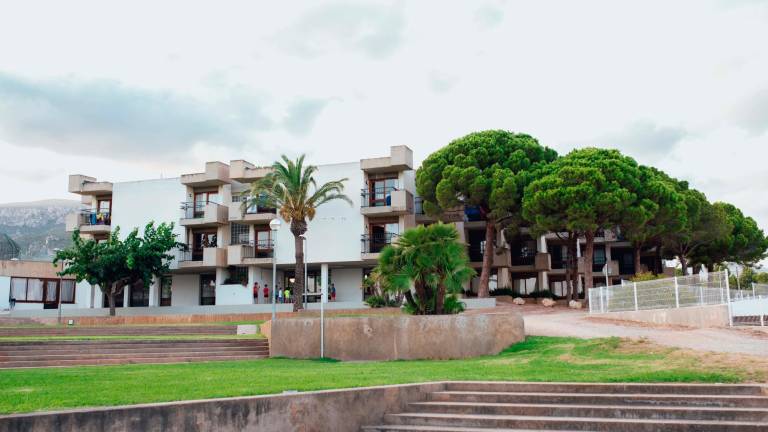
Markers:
<point>485,274</point>
<point>297,229</point>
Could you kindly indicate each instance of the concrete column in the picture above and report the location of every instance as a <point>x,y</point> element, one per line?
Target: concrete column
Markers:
<point>154,292</point>
<point>126,296</point>
<point>542,281</point>
<point>324,279</point>
<point>542,244</point>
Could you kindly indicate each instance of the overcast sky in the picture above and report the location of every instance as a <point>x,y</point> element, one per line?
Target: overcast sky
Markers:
<point>133,90</point>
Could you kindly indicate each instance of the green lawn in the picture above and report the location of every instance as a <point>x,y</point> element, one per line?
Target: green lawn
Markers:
<point>536,359</point>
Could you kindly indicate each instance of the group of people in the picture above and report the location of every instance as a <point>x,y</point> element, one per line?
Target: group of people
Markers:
<point>283,295</point>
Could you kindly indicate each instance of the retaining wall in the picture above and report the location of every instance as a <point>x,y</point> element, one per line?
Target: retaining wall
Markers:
<point>689,316</point>
<point>396,337</point>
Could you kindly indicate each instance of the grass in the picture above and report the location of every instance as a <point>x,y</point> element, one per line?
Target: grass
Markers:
<point>536,359</point>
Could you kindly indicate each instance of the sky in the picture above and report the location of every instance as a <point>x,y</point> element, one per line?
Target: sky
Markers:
<point>134,90</point>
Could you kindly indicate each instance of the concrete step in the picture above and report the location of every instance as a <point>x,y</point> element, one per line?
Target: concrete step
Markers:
<point>137,360</point>
<point>117,330</point>
<point>570,423</point>
<point>603,411</point>
<point>623,388</point>
<point>410,428</point>
<point>129,350</point>
<point>116,344</point>
<point>724,401</point>
<point>131,355</point>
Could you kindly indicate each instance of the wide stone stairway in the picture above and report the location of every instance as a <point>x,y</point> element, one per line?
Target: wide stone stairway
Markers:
<point>479,406</point>
<point>116,330</point>
<point>102,352</point>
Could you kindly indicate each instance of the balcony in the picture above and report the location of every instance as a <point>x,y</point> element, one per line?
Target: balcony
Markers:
<point>477,251</point>
<point>400,159</point>
<point>216,174</point>
<point>203,214</point>
<point>598,263</point>
<point>251,253</point>
<point>542,262</point>
<point>207,258</point>
<point>85,185</point>
<point>89,222</point>
<point>387,201</point>
<point>244,172</point>
<point>255,214</point>
<point>373,244</point>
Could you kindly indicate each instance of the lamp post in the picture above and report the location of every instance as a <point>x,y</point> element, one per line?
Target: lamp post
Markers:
<point>274,225</point>
<point>306,279</point>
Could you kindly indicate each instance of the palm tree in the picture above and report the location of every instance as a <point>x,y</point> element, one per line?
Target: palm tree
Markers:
<point>428,265</point>
<point>291,188</point>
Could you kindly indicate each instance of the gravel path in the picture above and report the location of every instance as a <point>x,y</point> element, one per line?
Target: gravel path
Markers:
<point>540,321</point>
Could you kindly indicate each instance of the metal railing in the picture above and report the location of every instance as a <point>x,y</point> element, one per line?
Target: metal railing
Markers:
<point>418,205</point>
<point>94,217</point>
<point>258,249</point>
<point>680,291</point>
<point>195,210</point>
<point>378,197</point>
<point>254,209</point>
<point>376,242</point>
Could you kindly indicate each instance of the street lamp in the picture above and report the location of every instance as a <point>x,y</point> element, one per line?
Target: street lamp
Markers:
<point>306,279</point>
<point>274,225</point>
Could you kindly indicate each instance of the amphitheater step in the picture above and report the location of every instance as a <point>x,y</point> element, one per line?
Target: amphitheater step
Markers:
<point>72,353</point>
<point>119,330</point>
<point>492,406</point>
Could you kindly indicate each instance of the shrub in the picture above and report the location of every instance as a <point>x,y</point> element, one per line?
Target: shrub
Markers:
<point>377,301</point>
<point>453,305</point>
<point>645,276</point>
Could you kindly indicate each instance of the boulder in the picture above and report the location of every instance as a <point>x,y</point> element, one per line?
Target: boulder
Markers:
<point>518,301</point>
<point>548,302</point>
<point>573,304</point>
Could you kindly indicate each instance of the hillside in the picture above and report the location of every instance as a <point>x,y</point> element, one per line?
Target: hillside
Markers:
<point>37,226</point>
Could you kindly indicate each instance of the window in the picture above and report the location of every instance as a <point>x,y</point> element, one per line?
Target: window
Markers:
<point>139,295</point>
<point>239,234</point>
<point>237,275</point>
<point>203,198</point>
<point>201,240</point>
<point>165,291</point>
<point>36,290</point>
<point>207,289</point>
<point>380,191</point>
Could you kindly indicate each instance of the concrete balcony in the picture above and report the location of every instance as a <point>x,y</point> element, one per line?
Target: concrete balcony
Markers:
<point>250,254</point>
<point>400,159</point>
<point>497,260</point>
<point>89,222</point>
<point>216,174</point>
<point>208,215</point>
<point>372,245</point>
<point>542,262</point>
<point>252,215</point>
<point>244,172</point>
<point>397,202</point>
<point>84,185</point>
<point>206,259</point>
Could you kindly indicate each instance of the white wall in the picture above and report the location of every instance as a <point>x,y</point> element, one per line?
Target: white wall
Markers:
<point>185,290</point>
<point>235,294</point>
<point>347,282</point>
<point>334,233</point>
<point>136,203</point>
<point>83,295</point>
<point>5,292</point>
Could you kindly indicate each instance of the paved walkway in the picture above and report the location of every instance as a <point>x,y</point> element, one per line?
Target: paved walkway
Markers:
<point>540,321</point>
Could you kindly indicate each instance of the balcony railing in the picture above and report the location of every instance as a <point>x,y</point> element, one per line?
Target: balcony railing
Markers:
<point>378,197</point>
<point>418,205</point>
<point>195,210</point>
<point>524,257</point>
<point>256,209</point>
<point>94,217</point>
<point>259,249</point>
<point>376,242</point>
<point>598,263</point>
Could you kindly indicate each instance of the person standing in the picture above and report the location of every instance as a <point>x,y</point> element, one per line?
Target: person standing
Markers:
<point>266,293</point>
<point>256,292</point>
<point>333,292</point>
<point>287,295</point>
<point>279,296</point>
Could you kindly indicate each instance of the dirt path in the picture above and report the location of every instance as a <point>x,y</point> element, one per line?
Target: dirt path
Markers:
<point>541,321</point>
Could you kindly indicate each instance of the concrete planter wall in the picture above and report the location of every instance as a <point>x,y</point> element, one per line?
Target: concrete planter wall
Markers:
<point>396,337</point>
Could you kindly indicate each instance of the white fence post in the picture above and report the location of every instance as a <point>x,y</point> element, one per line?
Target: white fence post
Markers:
<point>602,304</point>
<point>677,294</point>
<point>634,288</point>
<point>728,297</point>
<point>720,281</point>
<point>762,310</point>
<point>701,294</point>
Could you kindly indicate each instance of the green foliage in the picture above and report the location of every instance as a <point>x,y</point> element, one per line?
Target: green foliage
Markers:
<point>745,243</point>
<point>453,305</point>
<point>291,188</point>
<point>113,264</point>
<point>432,260</point>
<point>381,301</point>
<point>645,276</point>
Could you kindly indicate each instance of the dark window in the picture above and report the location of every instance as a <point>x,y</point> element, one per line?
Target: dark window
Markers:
<point>139,295</point>
<point>240,234</point>
<point>523,250</point>
<point>558,257</point>
<point>119,300</point>
<point>476,245</point>
<point>38,290</point>
<point>207,289</point>
<point>598,258</point>
<point>238,275</point>
<point>165,291</point>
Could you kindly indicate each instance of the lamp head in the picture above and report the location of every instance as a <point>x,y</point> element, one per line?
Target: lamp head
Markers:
<point>274,224</point>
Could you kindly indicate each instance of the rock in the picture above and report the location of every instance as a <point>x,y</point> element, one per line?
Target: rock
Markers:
<point>247,329</point>
<point>547,302</point>
<point>518,301</point>
<point>573,304</point>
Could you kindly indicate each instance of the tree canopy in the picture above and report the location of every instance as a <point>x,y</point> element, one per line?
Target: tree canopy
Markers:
<point>745,243</point>
<point>488,170</point>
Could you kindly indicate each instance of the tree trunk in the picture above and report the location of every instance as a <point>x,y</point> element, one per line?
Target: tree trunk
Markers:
<point>421,295</point>
<point>657,260</point>
<point>636,252</point>
<point>485,274</point>
<point>440,300</point>
<point>111,300</point>
<point>589,251</point>
<point>683,264</point>
<point>297,229</point>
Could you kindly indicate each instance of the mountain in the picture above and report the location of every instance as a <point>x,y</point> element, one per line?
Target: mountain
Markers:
<point>37,226</point>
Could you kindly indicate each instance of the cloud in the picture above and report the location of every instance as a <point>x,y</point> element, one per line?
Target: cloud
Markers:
<point>752,115</point>
<point>489,16</point>
<point>441,83</point>
<point>644,140</point>
<point>375,30</point>
<point>302,116</point>
<point>109,119</point>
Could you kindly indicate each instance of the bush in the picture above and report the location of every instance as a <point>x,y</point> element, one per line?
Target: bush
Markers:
<point>645,276</point>
<point>504,292</point>
<point>453,305</point>
<point>376,301</point>
<point>542,294</point>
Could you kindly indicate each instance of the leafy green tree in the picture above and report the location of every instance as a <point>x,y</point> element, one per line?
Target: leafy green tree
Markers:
<point>658,194</point>
<point>291,188</point>
<point>429,265</point>
<point>113,264</point>
<point>583,192</point>
<point>488,170</point>
<point>704,225</point>
<point>745,243</point>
